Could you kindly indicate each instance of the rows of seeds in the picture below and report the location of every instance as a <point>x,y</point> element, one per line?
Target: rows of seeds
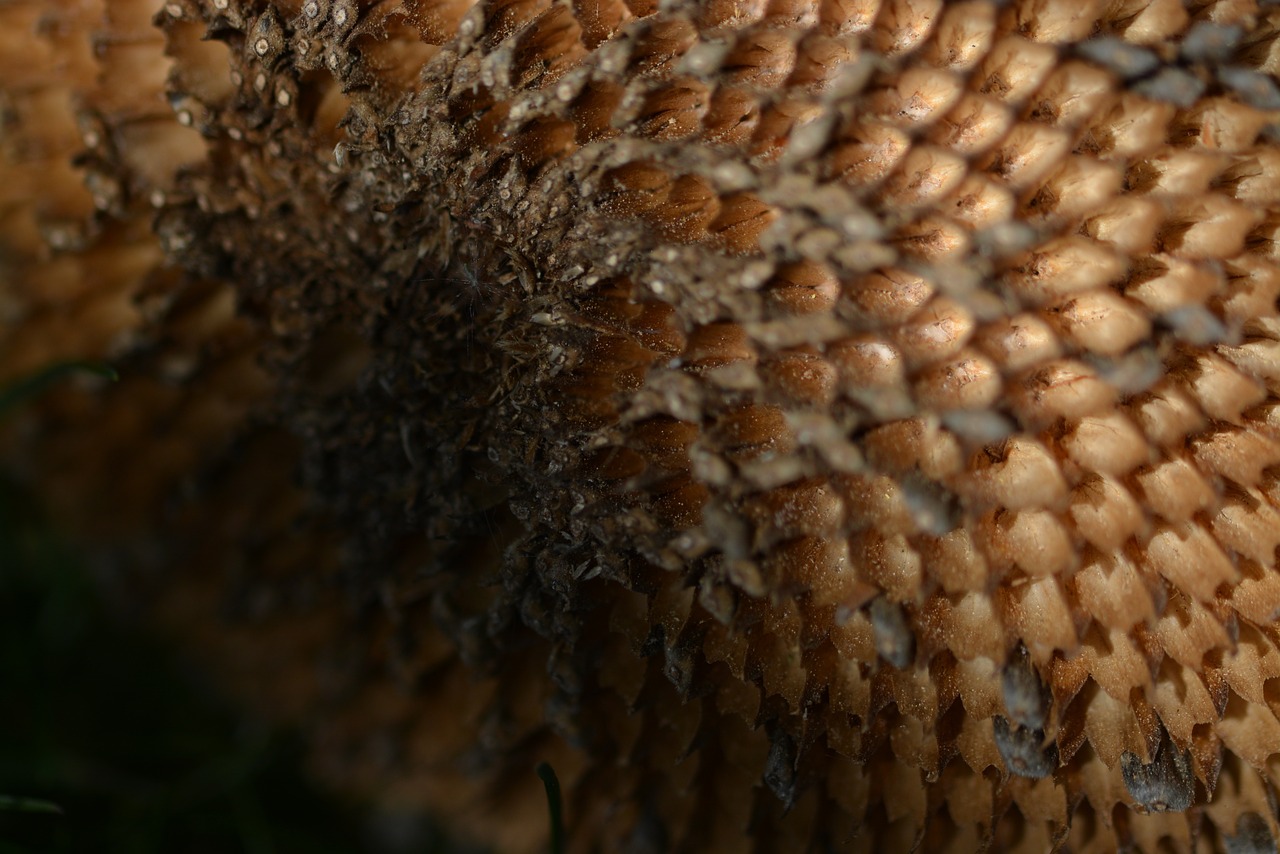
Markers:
<point>1047,422</point>
<point>898,384</point>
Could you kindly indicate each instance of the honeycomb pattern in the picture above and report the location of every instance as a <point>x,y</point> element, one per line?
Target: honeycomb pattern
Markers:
<point>848,424</point>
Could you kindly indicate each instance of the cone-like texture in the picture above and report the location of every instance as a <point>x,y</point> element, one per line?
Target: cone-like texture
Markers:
<point>837,424</point>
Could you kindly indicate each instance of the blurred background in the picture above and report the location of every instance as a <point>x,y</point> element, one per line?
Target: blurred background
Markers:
<point>108,743</point>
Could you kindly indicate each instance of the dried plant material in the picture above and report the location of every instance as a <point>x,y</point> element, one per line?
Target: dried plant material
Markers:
<point>846,425</point>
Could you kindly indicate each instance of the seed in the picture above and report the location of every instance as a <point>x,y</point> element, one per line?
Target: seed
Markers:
<point>1166,784</point>
<point>1023,750</point>
<point>1210,42</point>
<point>1126,60</point>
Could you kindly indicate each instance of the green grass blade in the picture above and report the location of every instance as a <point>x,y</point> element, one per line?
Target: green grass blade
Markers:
<point>11,804</point>
<point>554,806</point>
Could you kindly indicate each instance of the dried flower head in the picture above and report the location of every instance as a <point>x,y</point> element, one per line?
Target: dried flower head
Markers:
<point>859,429</point>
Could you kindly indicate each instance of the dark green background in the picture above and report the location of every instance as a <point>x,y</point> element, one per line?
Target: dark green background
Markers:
<point>139,754</point>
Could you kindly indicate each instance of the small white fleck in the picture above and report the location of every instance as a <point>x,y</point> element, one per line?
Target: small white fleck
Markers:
<point>311,10</point>
<point>157,198</point>
<point>235,133</point>
<point>174,10</point>
<point>283,98</point>
<point>260,82</point>
<point>220,4</point>
<point>340,16</point>
<point>184,118</point>
<point>261,46</point>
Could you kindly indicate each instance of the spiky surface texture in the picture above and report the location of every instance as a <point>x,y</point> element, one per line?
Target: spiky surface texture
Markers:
<point>834,425</point>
